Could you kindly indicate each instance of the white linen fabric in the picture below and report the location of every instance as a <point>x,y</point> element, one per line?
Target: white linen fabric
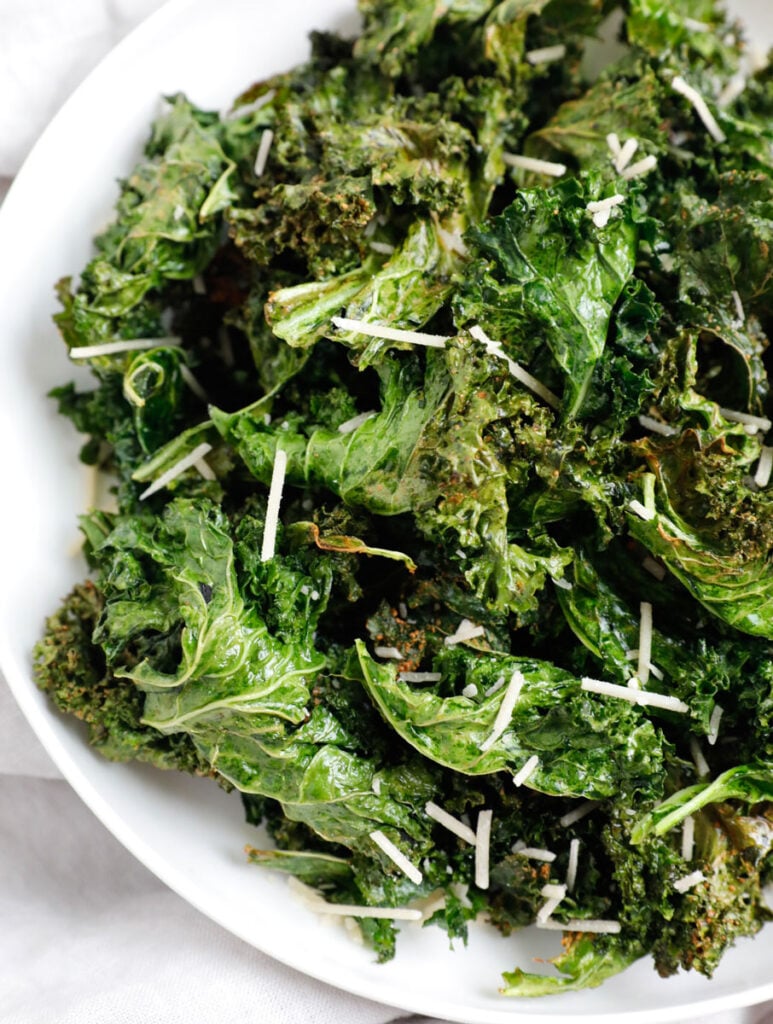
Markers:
<point>87,934</point>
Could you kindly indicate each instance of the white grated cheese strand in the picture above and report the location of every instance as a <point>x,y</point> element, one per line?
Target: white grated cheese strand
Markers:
<point>192,382</point>
<point>613,143</point>
<point>111,348</point>
<point>635,696</point>
<point>526,771</point>
<point>598,926</point>
<point>688,838</point>
<point>640,510</point>
<point>605,205</point>
<point>529,163</point>
<point>397,856</point>
<point>204,470</point>
<point>645,642</point>
<point>388,652</point>
<point>640,168</point>
<point>700,762</point>
<point>625,155</point>
<point>250,108</point>
<point>760,423</point>
<point>732,90</point>
<point>716,717</point>
<point>654,568</point>
<point>419,677</point>
<point>679,85</point>
<point>546,54</point>
<point>505,712</point>
<point>739,310</point>
<point>264,147</point>
<point>389,333</point>
<point>571,868</point>
<point>689,881</point>
<point>482,848</point>
<point>496,685</point>
<point>495,349</point>
<point>348,426</point>
<point>649,423</point>
<point>764,467</point>
<point>353,910</point>
<point>448,821</point>
<point>535,853</point>
<point>272,507</point>
<point>384,248</point>
<point>577,813</point>
<point>470,690</point>
<point>177,469</point>
<point>466,630</point>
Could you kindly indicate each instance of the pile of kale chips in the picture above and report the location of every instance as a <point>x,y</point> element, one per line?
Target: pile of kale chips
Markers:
<point>427,485</point>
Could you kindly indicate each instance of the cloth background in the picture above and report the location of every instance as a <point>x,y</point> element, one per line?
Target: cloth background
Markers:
<point>87,934</point>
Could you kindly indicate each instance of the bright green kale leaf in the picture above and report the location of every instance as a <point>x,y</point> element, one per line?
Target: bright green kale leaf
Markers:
<point>587,961</point>
<point>586,748</point>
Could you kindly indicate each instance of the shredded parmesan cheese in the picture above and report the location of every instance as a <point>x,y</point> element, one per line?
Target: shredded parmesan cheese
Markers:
<point>272,507</point>
<point>376,786</point>
<point>382,247</point>
<point>388,652</point>
<point>495,349</point>
<point>534,853</point>
<point>739,310</point>
<point>613,142</point>
<point>701,764</point>
<point>561,583</point>
<point>758,422</point>
<point>732,90</point>
<point>679,85</point>
<point>640,510</point>
<point>546,54</point>
<point>482,846</point>
<point>599,205</point>
<point>177,469</point>
<point>529,163</point>
<point>526,772</point>
<point>419,677</point>
<point>448,821</point>
<point>716,716</point>
<point>635,696</point>
<point>597,925</point>
<point>625,155</point>
<point>640,168</point>
<point>250,108</point>
<point>547,908</point>
<point>192,383</point>
<point>204,469</point>
<point>571,868</point>
<point>111,348</point>
<point>396,856</point>
<point>505,712</point>
<point>470,690</point>
<point>689,881</point>
<point>264,148</point>
<point>764,467</point>
<point>657,427</point>
<point>353,910</point>
<point>645,642</point>
<point>466,630</point>
<point>688,838</point>
<point>654,568</point>
<point>496,685</point>
<point>389,333</point>
<point>356,421</point>
<point>577,813</point>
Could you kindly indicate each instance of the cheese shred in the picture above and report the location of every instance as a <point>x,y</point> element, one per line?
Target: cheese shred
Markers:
<point>389,333</point>
<point>482,848</point>
<point>272,508</point>
<point>396,856</point>
<point>177,469</point>
<point>679,85</point>
<point>505,712</point>
<point>448,821</point>
<point>529,163</point>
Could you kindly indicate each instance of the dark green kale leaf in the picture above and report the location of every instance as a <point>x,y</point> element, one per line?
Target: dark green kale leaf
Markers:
<point>547,281</point>
<point>72,669</point>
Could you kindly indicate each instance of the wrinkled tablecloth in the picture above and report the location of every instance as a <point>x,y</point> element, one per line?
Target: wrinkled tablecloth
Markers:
<point>87,934</point>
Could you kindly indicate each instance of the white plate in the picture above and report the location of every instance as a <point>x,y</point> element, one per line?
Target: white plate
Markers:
<point>187,831</point>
